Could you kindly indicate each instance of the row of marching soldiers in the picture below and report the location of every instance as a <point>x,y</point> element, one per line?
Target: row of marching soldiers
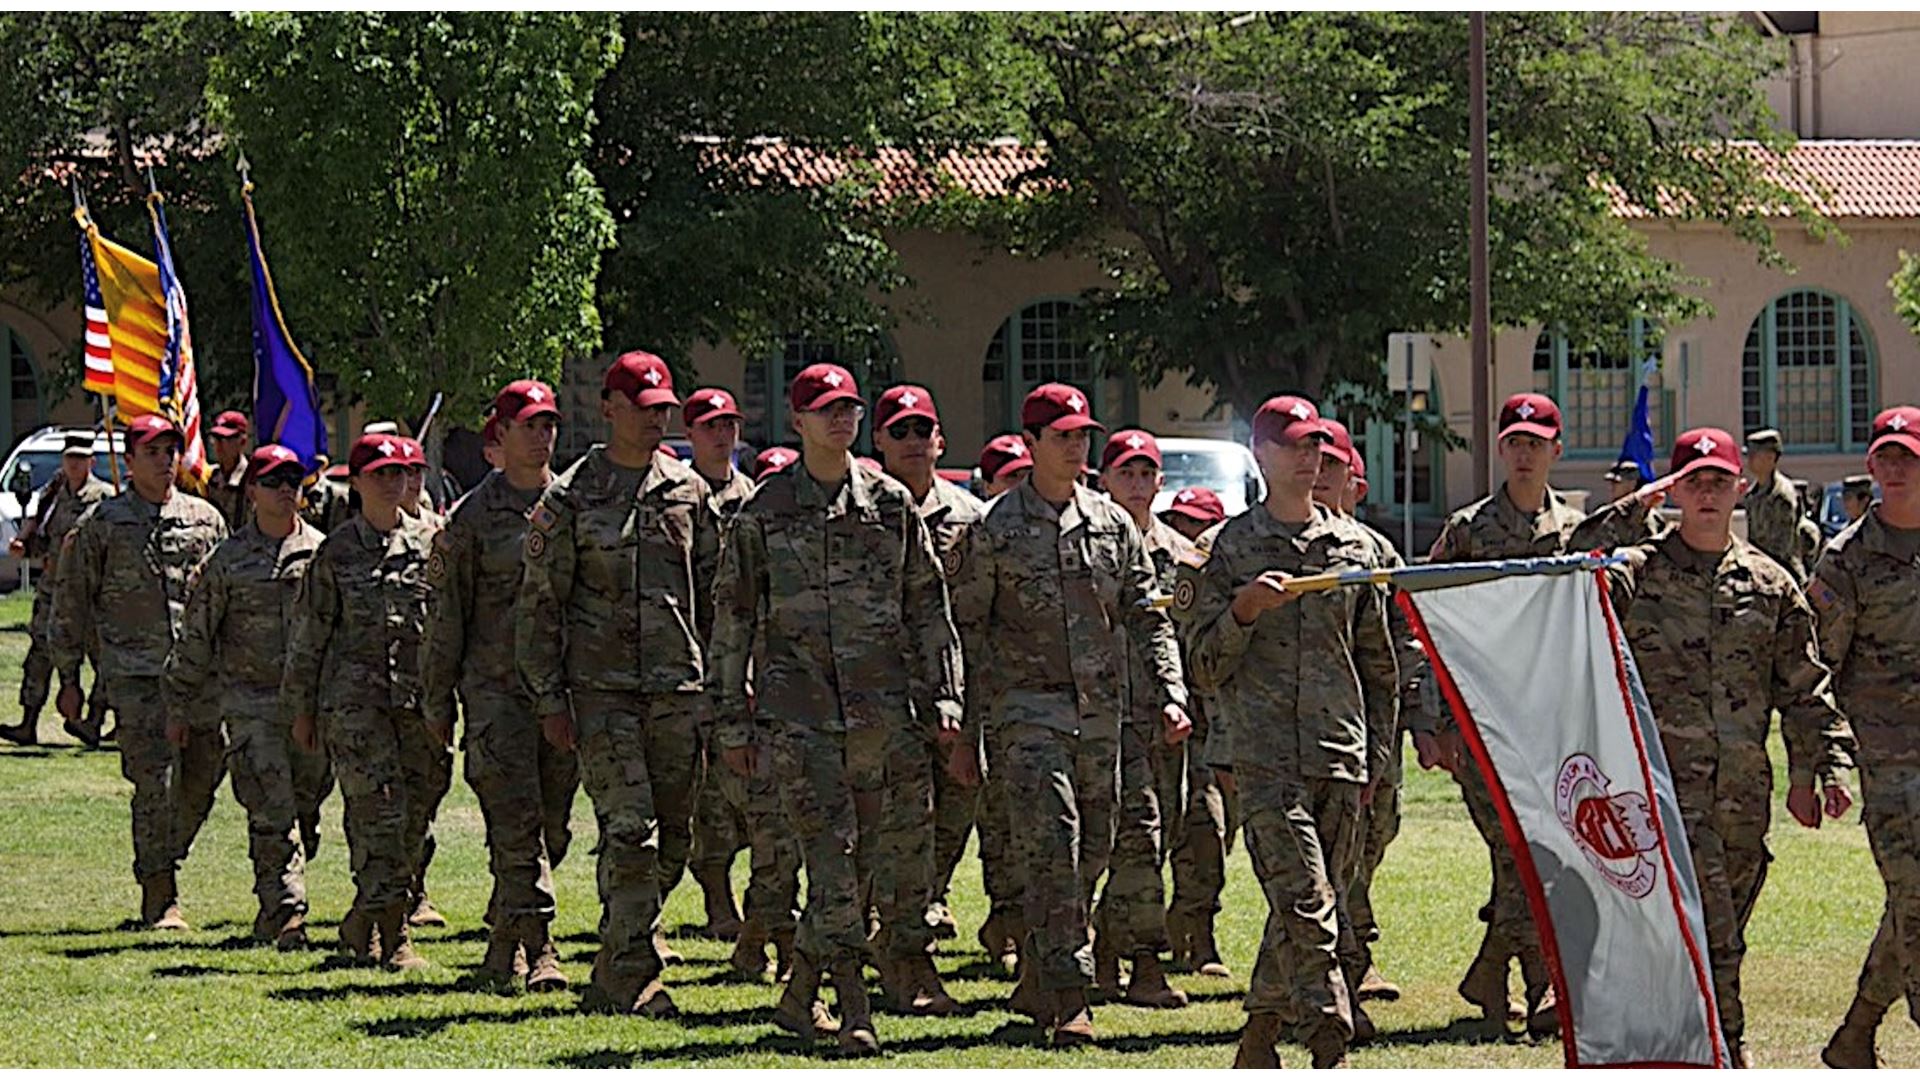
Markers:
<point>838,665</point>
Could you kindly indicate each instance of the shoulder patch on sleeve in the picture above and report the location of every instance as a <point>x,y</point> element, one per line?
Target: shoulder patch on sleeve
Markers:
<point>1821,595</point>
<point>542,517</point>
<point>955,557</point>
<point>536,548</point>
<point>1183,594</point>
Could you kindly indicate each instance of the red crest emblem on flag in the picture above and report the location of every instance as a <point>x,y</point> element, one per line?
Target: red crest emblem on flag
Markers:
<point>1614,830</point>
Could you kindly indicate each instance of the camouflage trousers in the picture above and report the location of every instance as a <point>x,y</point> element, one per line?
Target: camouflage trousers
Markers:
<point>752,805</point>
<point>392,774</point>
<point>861,846</point>
<point>1061,838</point>
<point>1724,801</point>
<point>720,829</point>
<point>1132,913</point>
<point>525,786</point>
<point>1891,813</point>
<point>277,783</point>
<point>36,673</point>
<point>639,754</point>
<point>999,876</point>
<point>173,788</point>
<point>1199,846</point>
<point>955,809</point>
<point>1510,931</point>
<point>1300,833</point>
<point>1379,825</point>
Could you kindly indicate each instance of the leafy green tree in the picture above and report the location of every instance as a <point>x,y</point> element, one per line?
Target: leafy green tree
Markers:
<point>422,183</point>
<point>1272,194</point>
<point>1906,290</point>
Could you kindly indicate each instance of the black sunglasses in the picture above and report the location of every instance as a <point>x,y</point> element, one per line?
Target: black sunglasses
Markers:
<point>276,481</point>
<point>919,427</point>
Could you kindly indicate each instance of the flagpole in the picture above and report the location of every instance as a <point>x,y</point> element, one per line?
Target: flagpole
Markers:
<point>1426,576</point>
<point>113,459</point>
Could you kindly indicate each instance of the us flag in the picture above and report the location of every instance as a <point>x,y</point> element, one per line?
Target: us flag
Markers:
<point>99,351</point>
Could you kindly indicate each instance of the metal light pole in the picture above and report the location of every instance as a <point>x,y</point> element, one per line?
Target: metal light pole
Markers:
<point>1480,329</point>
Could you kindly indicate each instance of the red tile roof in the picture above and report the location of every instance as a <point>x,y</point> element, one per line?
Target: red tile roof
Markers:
<point>1842,178</point>
<point>993,171</point>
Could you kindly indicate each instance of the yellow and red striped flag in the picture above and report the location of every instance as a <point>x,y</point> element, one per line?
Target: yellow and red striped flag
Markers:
<point>136,317</point>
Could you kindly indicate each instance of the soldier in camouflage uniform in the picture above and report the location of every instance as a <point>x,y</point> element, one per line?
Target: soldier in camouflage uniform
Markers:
<point>61,502</point>
<point>1773,506</point>
<point>618,561</point>
<point>830,585</point>
<point>1131,917</point>
<point>906,433</point>
<point>226,487</point>
<point>1199,849</point>
<point>233,641</point>
<point>1341,487</point>
<point>1308,687</point>
<point>1004,463</point>
<point>1862,592</point>
<point>1051,556</point>
<point>415,504</point>
<point>737,811</point>
<point>1525,518</point>
<point>352,680</point>
<point>712,421</point>
<point>525,784</point>
<point>124,572</point>
<point>1722,639</point>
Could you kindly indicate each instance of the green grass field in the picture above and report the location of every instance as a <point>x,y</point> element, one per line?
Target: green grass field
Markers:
<point>77,991</point>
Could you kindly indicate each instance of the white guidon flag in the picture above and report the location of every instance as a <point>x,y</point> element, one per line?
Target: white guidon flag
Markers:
<point>1551,706</point>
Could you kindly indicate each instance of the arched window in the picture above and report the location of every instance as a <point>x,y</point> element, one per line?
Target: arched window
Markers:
<point>1808,369</point>
<point>1046,341</point>
<point>1596,387</point>
<point>24,410</point>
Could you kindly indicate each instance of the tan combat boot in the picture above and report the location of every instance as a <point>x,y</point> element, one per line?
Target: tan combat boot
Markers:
<point>723,918</point>
<point>1376,987</point>
<point>1852,1045</point>
<point>1485,987</point>
<point>857,1038</point>
<point>293,934</point>
<point>1149,987</point>
<point>665,951</point>
<point>1206,954</point>
<point>504,961</point>
<point>749,959</point>
<point>800,1011</point>
<point>654,1003</point>
<point>160,903</point>
<point>396,937</point>
<point>423,913</point>
<point>1259,1043</point>
<point>356,937</point>
<point>24,733</point>
<point>1073,1020</point>
<point>1029,1000</point>
<point>940,921</point>
<point>542,959</point>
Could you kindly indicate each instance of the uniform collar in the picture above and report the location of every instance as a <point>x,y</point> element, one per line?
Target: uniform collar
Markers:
<point>855,494</point>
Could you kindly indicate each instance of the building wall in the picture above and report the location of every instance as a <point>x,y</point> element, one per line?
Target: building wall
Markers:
<point>1855,79</point>
<point>1708,392</point>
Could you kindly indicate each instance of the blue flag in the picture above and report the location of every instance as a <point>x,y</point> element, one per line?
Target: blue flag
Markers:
<point>1638,447</point>
<point>286,407</point>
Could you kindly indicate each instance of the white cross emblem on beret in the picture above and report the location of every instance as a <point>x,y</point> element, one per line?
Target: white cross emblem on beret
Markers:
<point>1525,411</point>
<point>1074,402</point>
<point>281,453</point>
<point>778,459</point>
<point>1898,423</point>
<point>833,379</point>
<point>652,376</point>
<point>536,394</point>
<point>1705,444</point>
<point>1186,496</point>
<point>719,399</point>
<point>386,448</point>
<point>1135,442</point>
<point>1300,410</point>
<point>909,399</point>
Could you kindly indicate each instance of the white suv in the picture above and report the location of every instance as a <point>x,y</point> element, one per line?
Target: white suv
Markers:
<point>33,461</point>
<point>1226,467</point>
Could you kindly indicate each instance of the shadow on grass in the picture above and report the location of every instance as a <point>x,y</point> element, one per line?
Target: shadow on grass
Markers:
<point>824,1051</point>
<point>230,943</point>
<point>33,751</point>
<point>420,1027</point>
<point>400,987</point>
<point>1465,1031</point>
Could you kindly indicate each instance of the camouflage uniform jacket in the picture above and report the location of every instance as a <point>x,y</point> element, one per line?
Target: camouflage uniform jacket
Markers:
<point>1047,602</point>
<point>124,572</point>
<point>238,613</point>
<point>1722,640</point>
<point>836,599</point>
<point>474,575</point>
<point>228,494</point>
<point>949,512</point>
<point>1312,687</point>
<point>355,642</point>
<point>618,569</point>
<point>1773,515</point>
<point>1863,594</point>
<point>56,512</point>
<point>1168,551</point>
<point>325,504</point>
<point>728,497</point>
